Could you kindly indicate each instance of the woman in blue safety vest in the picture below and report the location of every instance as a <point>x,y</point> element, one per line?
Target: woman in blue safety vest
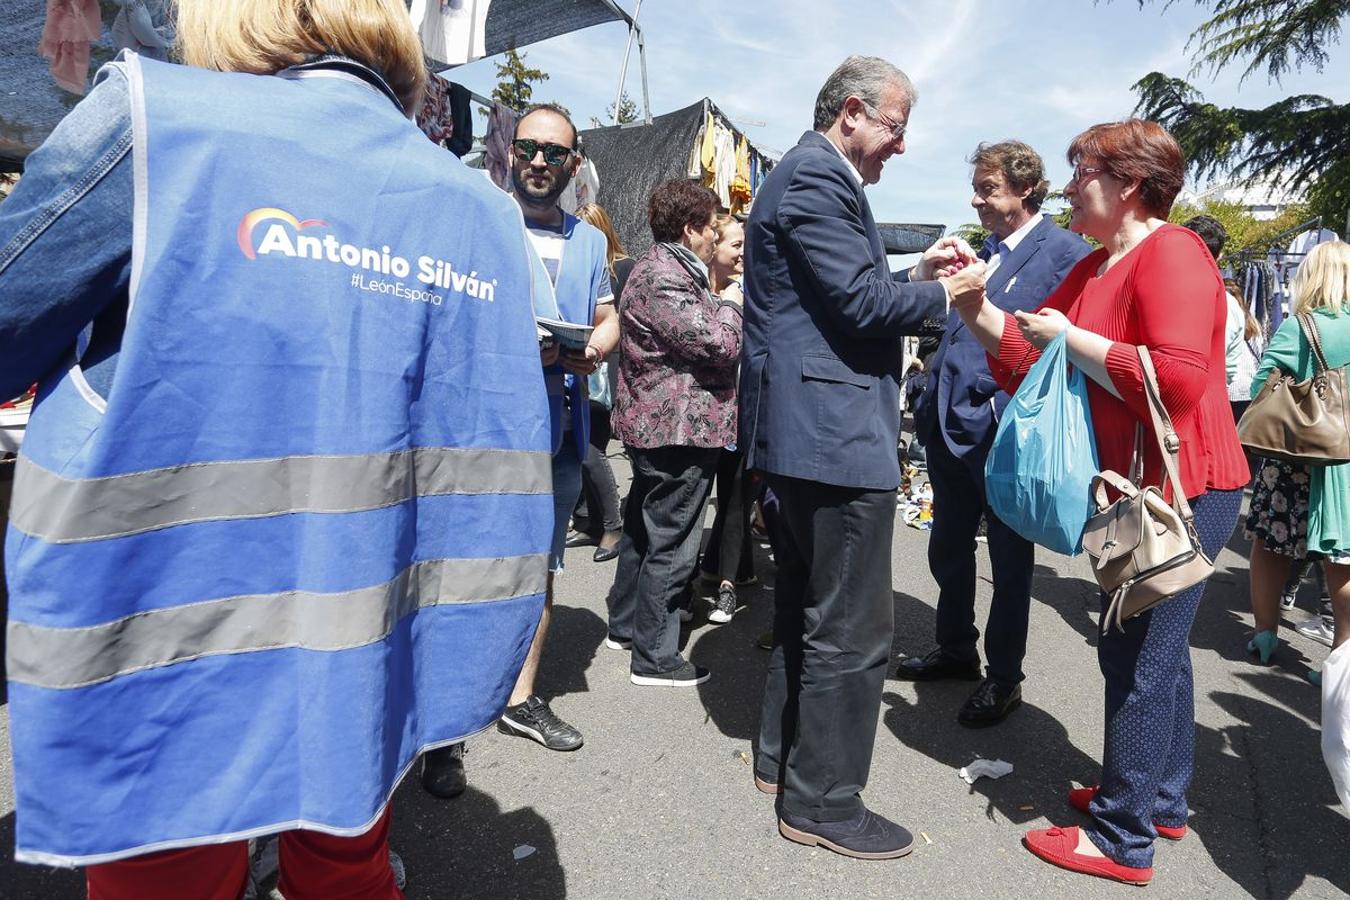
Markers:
<point>281,517</point>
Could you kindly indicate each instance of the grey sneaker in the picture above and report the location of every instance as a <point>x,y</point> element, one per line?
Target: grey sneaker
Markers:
<point>687,675</point>
<point>724,607</point>
<point>1317,628</point>
<point>1288,600</point>
<point>534,719</point>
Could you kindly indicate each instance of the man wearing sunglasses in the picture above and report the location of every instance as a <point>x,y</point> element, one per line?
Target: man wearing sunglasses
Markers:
<point>545,156</point>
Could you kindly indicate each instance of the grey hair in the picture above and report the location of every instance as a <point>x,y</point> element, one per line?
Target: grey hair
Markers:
<point>864,77</point>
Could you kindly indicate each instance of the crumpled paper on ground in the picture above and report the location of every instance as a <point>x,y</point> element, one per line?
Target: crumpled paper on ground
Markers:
<point>985,768</point>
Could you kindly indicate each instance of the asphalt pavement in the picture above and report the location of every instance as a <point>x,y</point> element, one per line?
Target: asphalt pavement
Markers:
<point>659,802</point>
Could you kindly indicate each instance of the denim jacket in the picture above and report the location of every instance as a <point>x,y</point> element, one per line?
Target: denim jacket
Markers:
<point>65,243</point>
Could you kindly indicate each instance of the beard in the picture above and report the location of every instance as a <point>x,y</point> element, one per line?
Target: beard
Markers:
<point>542,195</point>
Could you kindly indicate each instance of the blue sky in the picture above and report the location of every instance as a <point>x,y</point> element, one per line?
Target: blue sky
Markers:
<point>1036,70</point>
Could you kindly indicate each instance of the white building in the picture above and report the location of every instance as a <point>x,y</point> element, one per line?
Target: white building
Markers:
<point>1261,197</point>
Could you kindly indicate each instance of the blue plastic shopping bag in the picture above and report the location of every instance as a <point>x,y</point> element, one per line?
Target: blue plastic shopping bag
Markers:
<point>1044,456</point>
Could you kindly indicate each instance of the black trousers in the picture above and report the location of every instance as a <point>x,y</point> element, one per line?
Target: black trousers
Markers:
<point>662,525</point>
<point>958,503</point>
<point>729,555</point>
<point>598,508</point>
<point>833,622</point>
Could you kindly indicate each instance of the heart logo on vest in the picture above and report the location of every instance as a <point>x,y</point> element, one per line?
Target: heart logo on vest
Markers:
<point>253,219</point>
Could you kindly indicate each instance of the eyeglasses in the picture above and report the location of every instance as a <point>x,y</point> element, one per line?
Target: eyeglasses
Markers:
<point>554,154</point>
<point>1081,172</point>
<point>896,129</point>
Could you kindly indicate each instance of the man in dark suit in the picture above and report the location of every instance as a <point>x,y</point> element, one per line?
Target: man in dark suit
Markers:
<point>956,418</point>
<point>820,410</point>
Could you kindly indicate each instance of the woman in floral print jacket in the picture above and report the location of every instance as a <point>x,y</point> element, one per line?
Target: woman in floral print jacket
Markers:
<point>675,410</point>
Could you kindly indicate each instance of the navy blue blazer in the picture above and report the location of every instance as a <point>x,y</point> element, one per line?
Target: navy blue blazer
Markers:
<point>961,402</point>
<point>822,354</point>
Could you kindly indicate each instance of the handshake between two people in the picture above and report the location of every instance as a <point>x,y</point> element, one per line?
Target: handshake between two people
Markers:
<point>954,262</point>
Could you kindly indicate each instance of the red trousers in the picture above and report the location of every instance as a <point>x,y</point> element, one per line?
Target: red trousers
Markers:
<point>314,866</point>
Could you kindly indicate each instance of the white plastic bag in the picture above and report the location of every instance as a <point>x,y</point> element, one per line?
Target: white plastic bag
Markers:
<point>1336,720</point>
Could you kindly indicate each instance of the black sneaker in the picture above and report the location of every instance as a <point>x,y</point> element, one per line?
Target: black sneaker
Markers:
<point>724,607</point>
<point>533,719</point>
<point>687,675</point>
<point>443,772</point>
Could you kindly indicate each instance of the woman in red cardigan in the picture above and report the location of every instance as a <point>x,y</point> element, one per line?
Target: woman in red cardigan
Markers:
<point>1151,284</point>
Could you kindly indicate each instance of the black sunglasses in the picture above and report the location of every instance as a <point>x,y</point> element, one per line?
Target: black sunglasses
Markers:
<point>554,154</point>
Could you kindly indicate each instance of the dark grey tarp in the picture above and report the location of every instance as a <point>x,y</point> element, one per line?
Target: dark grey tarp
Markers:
<point>633,159</point>
<point>512,24</point>
<point>909,238</point>
<point>31,104</point>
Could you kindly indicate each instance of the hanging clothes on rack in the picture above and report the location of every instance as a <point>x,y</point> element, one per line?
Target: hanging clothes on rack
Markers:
<point>461,114</point>
<point>724,143</point>
<point>497,157</point>
<point>740,189</point>
<point>452,31</point>
<point>583,189</point>
<point>144,26</point>
<point>71,26</point>
<point>433,116</point>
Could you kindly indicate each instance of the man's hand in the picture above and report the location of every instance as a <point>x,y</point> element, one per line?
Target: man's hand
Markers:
<point>966,285</point>
<point>944,259</point>
<point>548,353</point>
<point>580,362</point>
<point>1041,328</point>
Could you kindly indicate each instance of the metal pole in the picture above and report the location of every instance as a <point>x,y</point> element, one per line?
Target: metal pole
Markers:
<point>642,60</point>
<point>623,70</point>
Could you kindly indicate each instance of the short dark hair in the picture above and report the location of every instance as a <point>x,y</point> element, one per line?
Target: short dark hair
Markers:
<point>1211,231</point>
<point>557,111</point>
<point>1021,166</point>
<point>1136,150</point>
<point>677,203</point>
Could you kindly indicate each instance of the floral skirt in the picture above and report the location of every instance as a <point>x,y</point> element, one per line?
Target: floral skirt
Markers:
<point>1279,511</point>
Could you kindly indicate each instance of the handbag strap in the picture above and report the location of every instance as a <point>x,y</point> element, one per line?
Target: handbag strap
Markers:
<point>1314,337</point>
<point>1168,441</point>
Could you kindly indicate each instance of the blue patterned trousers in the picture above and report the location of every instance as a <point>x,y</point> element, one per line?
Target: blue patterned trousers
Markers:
<point>1150,709</point>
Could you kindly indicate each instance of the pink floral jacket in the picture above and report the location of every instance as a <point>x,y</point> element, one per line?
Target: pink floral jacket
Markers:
<point>678,355</point>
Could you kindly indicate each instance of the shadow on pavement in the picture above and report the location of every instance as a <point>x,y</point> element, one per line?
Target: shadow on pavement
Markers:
<point>1302,831</point>
<point>24,882</point>
<point>467,847</point>
<point>1047,761</point>
<point>574,637</point>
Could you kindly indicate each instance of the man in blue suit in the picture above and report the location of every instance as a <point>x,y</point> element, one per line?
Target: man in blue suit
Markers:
<point>956,418</point>
<point>820,413</point>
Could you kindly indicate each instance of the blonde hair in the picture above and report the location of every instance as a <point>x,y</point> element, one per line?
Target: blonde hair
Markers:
<point>265,36</point>
<point>594,214</point>
<point>721,221</point>
<point>1323,280</point>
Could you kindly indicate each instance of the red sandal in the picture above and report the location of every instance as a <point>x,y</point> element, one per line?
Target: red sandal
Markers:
<point>1079,798</point>
<point>1059,847</point>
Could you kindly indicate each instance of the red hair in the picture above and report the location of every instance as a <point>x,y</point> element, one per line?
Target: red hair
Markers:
<point>1136,150</point>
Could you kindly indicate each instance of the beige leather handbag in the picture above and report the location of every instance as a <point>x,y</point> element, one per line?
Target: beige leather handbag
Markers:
<point>1144,549</point>
<point>1305,422</point>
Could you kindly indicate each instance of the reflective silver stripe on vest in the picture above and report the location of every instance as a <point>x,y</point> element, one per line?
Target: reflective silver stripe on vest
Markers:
<point>60,510</point>
<point>75,657</point>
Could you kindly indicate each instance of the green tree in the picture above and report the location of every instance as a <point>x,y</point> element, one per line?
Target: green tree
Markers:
<point>628,112</point>
<point>1302,142</point>
<point>515,82</point>
<point>1243,228</point>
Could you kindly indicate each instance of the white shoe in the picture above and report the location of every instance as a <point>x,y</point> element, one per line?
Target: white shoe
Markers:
<point>1317,629</point>
<point>614,643</point>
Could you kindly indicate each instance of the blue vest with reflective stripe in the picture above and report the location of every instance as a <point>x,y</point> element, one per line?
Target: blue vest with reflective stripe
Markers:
<point>584,246</point>
<point>305,534</point>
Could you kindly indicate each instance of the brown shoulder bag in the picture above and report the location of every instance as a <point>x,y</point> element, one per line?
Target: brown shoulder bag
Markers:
<point>1306,422</point>
<point>1144,549</point>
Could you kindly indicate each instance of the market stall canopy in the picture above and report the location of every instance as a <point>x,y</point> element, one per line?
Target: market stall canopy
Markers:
<point>31,104</point>
<point>633,159</point>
